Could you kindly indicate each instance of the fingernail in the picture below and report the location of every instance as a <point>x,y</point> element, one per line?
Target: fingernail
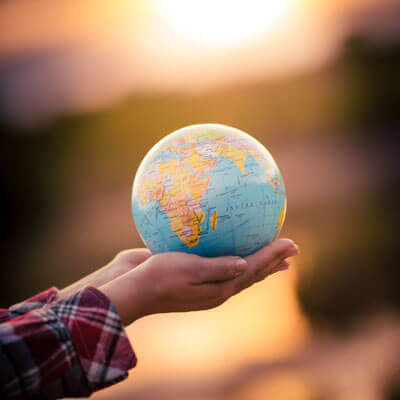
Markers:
<point>240,265</point>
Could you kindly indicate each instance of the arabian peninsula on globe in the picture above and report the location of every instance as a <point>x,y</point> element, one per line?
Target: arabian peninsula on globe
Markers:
<point>208,189</point>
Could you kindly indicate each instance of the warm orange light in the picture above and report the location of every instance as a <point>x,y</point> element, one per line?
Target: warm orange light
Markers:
<point>223,21</point>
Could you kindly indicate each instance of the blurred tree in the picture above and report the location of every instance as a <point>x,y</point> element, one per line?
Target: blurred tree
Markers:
<point>373,84</point>
<point>356,271</point>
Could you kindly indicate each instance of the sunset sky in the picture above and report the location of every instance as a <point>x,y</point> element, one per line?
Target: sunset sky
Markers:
<point>93,52</point>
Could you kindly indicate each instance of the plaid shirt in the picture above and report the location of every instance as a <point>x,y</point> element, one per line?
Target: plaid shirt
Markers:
<point>70,348</point>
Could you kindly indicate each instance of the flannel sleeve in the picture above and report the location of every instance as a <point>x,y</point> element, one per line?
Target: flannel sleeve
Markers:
<point>37,301</point>
<point>69,348</point>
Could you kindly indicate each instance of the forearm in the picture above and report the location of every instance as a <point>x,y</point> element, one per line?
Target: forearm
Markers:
<point>131,296</point>
<point>124,261</point>
<point>95,279</point>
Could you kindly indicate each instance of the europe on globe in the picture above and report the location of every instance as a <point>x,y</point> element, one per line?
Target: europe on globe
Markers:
<point>208,189</point>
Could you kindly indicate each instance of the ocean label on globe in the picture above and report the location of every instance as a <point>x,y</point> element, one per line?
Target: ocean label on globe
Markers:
<point>208,189</point>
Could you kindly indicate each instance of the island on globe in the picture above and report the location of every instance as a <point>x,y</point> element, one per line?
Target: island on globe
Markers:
<point>208,189</point>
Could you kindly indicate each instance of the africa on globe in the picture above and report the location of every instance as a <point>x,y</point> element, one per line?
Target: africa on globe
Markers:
<point>208,189</point>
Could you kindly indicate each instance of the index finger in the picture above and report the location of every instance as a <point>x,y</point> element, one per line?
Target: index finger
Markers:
<point>217,269</point>
<point>262,262</point>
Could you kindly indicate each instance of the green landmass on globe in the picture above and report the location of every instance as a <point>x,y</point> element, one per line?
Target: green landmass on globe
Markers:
<point>208,189</point>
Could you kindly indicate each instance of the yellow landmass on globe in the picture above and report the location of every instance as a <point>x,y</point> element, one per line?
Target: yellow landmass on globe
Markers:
<point>270,168</point>
<point>238,156</point>
<point>282,216</point>
<point>147,190</point>
<point>209,135</point>
<point>214,220</point>
<point>199,163</point>
<point>179,192</point>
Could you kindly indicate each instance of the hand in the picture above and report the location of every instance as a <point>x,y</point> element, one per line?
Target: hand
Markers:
<point>171,282</point>
<point>123,262</point>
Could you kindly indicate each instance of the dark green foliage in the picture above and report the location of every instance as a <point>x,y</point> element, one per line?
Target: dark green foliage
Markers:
<point>356,270</point>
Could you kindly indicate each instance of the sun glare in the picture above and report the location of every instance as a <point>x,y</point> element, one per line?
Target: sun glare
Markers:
<point>223,21</point>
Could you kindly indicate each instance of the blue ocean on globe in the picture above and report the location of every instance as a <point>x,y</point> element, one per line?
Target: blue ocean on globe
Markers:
<point>208,189</point>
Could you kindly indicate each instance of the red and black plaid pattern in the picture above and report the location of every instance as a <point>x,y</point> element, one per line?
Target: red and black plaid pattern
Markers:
<point>51,349</point>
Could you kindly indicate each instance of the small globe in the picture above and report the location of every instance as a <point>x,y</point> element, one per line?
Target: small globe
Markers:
<point>208,189</point>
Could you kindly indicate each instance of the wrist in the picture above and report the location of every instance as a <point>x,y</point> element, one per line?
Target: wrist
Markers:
<point>128,296</point>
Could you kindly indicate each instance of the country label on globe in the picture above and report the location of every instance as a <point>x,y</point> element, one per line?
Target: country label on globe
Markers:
<point>208,189</point>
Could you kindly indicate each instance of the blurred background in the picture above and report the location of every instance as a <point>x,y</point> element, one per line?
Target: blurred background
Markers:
<point>86,88</point>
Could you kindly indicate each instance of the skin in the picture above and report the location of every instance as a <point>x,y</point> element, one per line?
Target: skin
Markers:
<point>123,262</point>
<point>139,283</point>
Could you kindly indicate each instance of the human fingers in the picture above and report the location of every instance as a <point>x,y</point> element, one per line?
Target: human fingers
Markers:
<point>268,255</point>
<point>133,257</point>
<point>262,263</point>
<point>267,268</point>
<point>275,265</point>
<point>283,266</point>
<point>228,289</point>
<point>216,269</point>
<point>267,259</point>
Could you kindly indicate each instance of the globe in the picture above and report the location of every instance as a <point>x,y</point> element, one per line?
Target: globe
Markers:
<point>208,189</point>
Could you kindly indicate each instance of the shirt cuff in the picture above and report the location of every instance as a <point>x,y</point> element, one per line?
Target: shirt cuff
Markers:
<point>99,337</point>
<point>37,301</point>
